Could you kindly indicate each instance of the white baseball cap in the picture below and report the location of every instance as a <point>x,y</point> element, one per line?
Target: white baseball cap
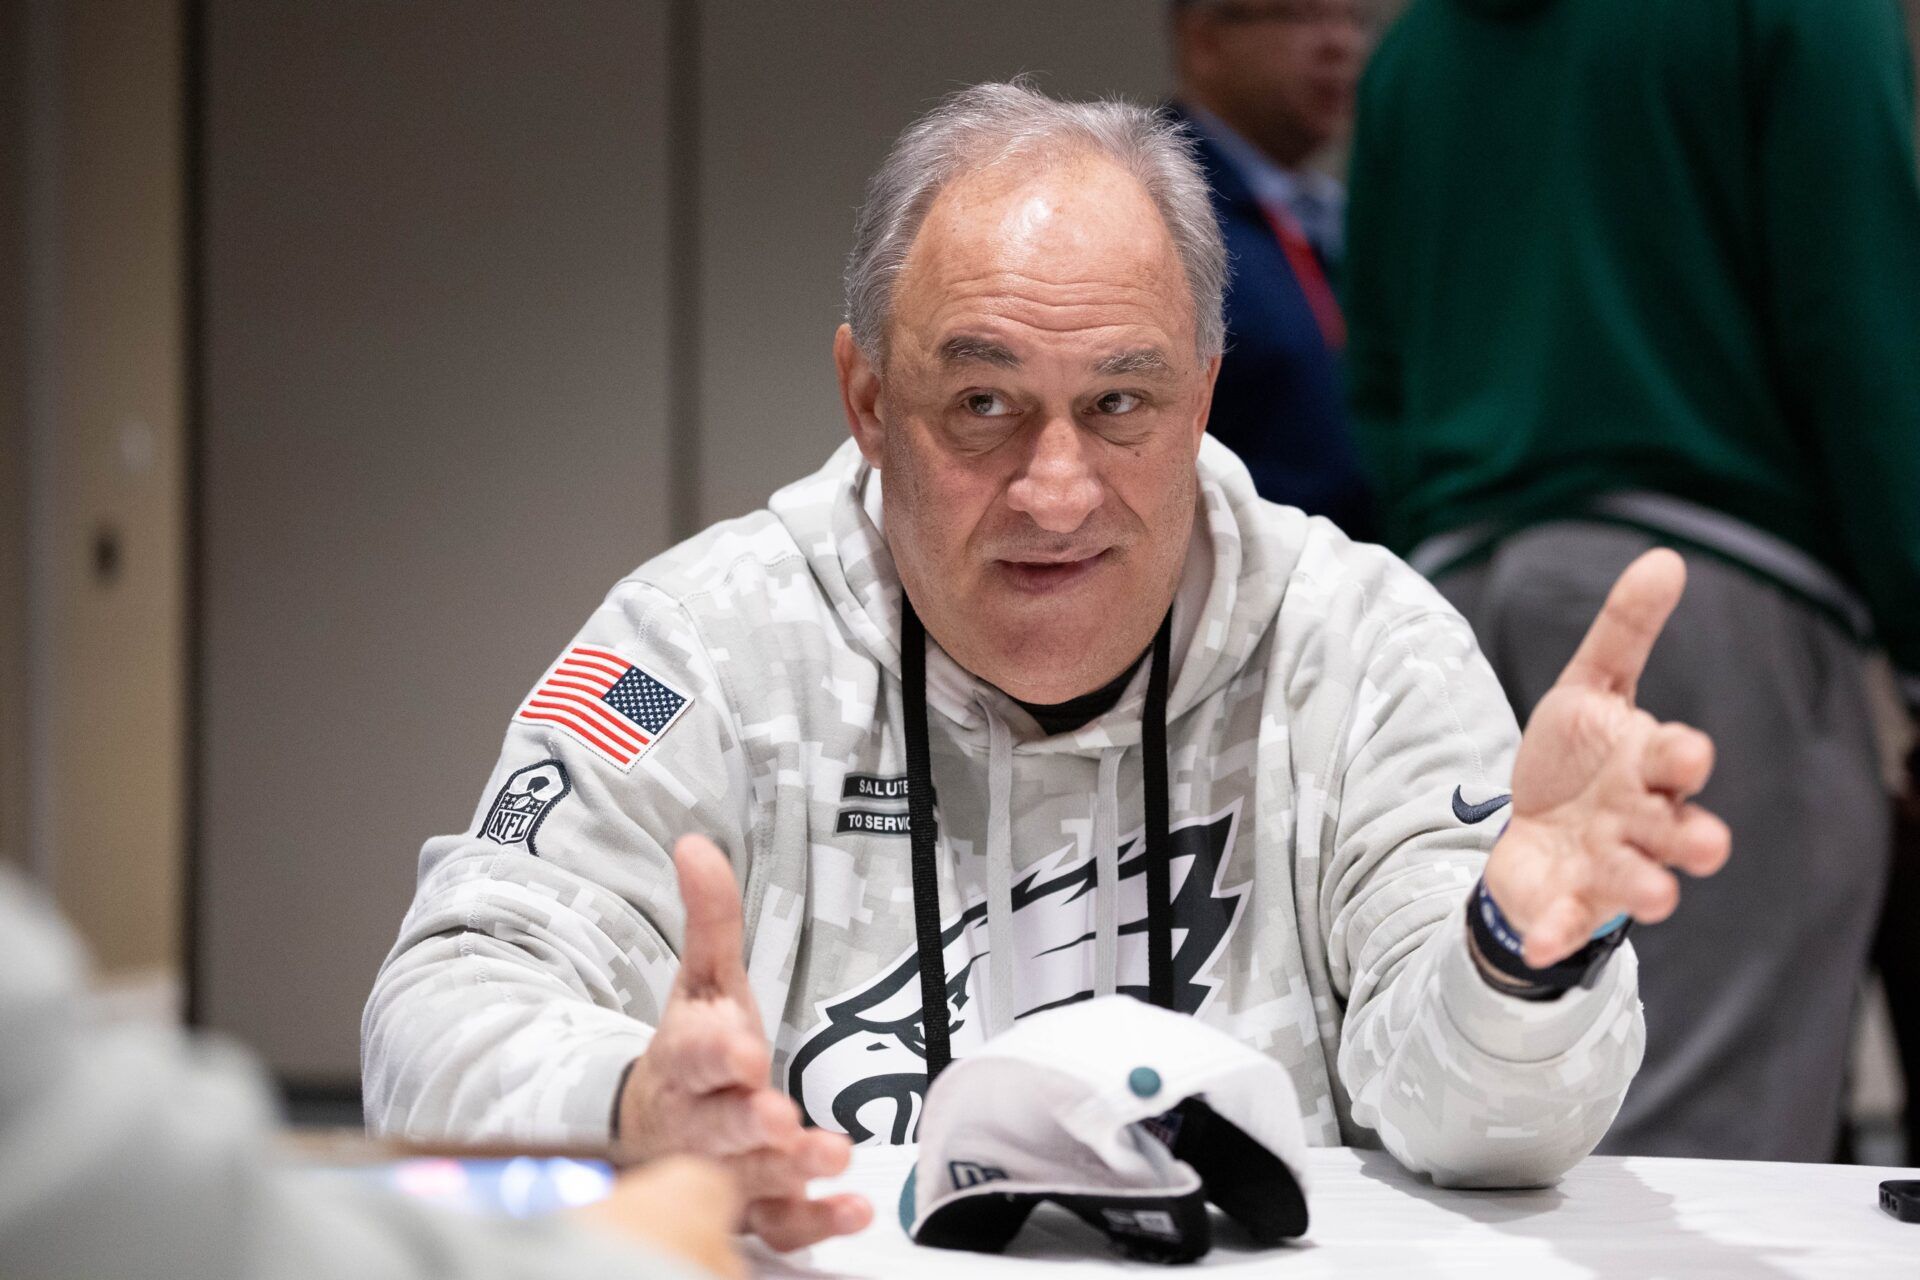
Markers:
<point>1129,1116</point>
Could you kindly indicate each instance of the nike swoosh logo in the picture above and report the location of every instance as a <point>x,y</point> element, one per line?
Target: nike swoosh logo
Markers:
<point>1472,813</point>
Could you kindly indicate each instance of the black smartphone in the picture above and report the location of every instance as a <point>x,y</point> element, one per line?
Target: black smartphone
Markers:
<point>1901,1199</point>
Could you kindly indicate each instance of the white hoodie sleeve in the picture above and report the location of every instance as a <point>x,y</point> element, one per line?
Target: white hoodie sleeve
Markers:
<point>533,964</point>
<point>1461,1082</point>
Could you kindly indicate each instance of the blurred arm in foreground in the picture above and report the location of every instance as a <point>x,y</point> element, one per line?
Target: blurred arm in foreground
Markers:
<point>125,1151</point>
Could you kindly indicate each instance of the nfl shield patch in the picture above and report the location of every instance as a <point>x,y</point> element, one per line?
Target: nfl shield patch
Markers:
<point>523,803</point>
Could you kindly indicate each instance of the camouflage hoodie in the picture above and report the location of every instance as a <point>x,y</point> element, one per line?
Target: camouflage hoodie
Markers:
<point>1335,744</point>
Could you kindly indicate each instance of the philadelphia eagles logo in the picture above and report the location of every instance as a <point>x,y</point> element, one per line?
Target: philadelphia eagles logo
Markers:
<point>862,1069</point>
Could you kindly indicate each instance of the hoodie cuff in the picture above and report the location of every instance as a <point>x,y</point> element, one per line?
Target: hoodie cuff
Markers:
<point>1515,1030</point>
<point>587,1107</point>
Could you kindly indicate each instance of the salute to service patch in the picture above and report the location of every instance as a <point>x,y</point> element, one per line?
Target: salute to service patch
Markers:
<point>605,702</point>
<point>873,789</point>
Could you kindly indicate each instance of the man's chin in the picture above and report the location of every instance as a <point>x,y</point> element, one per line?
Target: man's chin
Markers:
<point>1036,663</point>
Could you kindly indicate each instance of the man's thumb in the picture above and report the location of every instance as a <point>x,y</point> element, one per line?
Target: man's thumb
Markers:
<point>710,957</point>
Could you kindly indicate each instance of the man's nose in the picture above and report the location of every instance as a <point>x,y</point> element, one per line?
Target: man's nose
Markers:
<point>1058,488</point>
<point>1356,37</point>
<point>1341,30</point>
<point>1349,45</point>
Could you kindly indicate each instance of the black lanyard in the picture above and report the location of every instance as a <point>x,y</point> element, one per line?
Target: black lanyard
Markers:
<point>928,936</point>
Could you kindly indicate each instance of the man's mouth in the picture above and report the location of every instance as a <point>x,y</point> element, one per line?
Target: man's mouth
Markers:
<point>1042,577</point>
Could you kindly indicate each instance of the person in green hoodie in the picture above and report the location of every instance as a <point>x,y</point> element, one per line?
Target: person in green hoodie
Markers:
<point>1634,273</point>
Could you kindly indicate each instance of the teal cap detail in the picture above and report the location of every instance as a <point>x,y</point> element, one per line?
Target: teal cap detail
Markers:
<point>1144,1081</point>
<point>906,1201</point>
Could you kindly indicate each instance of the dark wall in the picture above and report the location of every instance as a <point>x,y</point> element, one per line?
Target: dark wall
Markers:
<point>434,349</point>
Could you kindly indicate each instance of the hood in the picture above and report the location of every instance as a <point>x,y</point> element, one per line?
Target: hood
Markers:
<point>1239,556</point>
<point>1503,8</point>
<point>1238,560</point>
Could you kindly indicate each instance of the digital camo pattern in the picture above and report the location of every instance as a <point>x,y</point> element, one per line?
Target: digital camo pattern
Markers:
<point>838,1082</point>
<point>1325,704</point>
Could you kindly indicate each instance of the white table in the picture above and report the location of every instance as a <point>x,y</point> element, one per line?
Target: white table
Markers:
<point>1609,1217</point>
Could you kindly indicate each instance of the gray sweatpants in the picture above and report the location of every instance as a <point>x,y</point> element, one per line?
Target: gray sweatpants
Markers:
<point>1750,986</point>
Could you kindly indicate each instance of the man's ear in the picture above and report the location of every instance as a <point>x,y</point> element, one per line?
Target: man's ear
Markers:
<point>1206,403</point>
<point>859,395</point>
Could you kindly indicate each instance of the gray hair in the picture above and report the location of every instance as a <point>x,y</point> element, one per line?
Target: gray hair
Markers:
<point>989,123</point>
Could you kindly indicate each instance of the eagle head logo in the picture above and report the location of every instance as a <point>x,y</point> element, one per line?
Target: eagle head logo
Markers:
<point>862,1068</point>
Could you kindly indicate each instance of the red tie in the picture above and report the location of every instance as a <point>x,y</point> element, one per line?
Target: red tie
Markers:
<point>1313,280</point>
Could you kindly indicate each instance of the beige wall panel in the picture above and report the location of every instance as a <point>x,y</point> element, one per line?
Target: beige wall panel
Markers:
<point>114,660</point>
<point>799,102</point>
<point>15,108</point>
<point>436,329</point>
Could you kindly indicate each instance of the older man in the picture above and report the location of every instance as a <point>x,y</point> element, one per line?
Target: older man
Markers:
<point>1027,697</point>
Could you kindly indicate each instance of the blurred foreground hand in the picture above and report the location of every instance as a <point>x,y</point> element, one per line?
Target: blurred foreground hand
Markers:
<point>683,1207</point>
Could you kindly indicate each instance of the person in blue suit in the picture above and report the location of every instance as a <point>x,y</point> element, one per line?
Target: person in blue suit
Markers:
<point>1265,85</point>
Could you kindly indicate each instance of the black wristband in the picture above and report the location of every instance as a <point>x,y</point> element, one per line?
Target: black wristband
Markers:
<point>1498,943</point>
<point>619,1093</point>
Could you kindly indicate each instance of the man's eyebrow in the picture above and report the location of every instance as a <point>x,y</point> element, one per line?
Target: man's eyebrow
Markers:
<point>1140,360</point>
<point>971,349</point>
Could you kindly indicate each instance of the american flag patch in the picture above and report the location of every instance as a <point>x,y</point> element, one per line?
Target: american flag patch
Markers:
<point>606,702</point>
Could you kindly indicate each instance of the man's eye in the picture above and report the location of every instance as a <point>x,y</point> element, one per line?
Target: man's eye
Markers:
<point>985,404</point>
<point>1116,402</point>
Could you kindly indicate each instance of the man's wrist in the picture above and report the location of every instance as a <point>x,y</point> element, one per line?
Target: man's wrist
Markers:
<point>620,1099</point>
<point>635,1125</point>
<point>1503,983</point>
<point>1497,950</point>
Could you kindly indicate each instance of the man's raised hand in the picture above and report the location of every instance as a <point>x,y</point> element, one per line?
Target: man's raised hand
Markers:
<point>1602,792</point>
<point>703,1085</point>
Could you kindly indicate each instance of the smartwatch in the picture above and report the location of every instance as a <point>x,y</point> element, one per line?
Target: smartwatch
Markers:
<point>1500,945</point>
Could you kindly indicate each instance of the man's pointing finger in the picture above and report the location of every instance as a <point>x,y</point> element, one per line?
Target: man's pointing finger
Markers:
<point>1615,649</point>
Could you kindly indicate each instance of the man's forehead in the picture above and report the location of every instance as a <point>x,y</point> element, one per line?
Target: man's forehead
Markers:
<point>1082,212</point>
<point>1005,259</point>
<point>1106,359</point>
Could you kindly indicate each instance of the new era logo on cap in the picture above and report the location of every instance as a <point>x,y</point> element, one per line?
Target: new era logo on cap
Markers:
<point>965,1173</point>
<point>1133,1118</point>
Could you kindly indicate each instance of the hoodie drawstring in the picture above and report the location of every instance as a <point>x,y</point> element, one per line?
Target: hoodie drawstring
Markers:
<point>926,869</point>
<point>999,875</point>
<point>1106,884</point>
<point>1153,763</point>
<point>930,944</point>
